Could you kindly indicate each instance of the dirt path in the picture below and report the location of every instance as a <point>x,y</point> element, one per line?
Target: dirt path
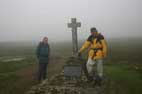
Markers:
<point>58,84</point>
<point>55,66</point>
<point>27,75</point>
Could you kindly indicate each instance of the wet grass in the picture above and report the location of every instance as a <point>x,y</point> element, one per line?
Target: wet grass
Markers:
<point>9,78</point>
<point>123,67</point>
<point>126,79</point>
<point>11,66</point>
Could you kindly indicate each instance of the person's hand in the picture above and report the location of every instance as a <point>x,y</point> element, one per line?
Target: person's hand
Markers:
<point>79,54</point>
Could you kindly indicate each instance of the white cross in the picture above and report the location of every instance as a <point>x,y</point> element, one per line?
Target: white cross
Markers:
<point>74,26</point>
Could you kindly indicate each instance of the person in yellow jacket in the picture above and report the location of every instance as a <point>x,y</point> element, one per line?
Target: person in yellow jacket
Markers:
<point>97,52</point>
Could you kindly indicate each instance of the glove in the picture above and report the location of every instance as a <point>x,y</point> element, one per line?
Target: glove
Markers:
<point>79,55</point>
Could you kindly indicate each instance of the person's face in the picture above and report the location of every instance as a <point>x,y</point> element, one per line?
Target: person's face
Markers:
<point>45,40</point>
<point>94,33</point>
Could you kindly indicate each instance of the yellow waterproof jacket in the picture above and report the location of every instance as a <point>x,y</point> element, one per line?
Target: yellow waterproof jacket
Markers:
<point>97,47</point>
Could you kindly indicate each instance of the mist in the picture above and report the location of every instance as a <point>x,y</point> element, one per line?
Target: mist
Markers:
<point>30,20</point>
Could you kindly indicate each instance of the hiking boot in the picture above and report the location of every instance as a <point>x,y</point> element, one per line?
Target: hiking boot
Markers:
<point>89,79</point>
<point>98,81</point>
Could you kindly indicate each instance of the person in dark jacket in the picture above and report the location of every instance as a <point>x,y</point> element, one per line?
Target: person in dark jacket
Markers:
<point>43,53</point>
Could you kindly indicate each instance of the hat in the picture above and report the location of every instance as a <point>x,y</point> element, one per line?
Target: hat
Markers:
<point>93,29</point>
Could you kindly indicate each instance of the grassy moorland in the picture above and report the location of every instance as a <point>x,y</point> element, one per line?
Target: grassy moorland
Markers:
<point>123,66</point>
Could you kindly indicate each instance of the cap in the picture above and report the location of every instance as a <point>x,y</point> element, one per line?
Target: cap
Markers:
<point>93,29</point>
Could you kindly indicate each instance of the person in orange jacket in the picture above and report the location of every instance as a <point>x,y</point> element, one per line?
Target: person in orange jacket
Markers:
<point>97,52</point>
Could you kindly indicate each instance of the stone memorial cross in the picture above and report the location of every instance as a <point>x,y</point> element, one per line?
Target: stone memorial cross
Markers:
<point>74,26</point>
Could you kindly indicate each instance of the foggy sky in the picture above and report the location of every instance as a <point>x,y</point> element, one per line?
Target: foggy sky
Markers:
<point>33,19</point>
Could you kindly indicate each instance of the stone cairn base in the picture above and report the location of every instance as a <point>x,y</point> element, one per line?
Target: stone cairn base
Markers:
<point>61,85</point>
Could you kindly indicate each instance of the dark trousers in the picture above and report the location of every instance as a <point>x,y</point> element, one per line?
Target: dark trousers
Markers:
<point>86,71</point>
<point>42,70</point>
